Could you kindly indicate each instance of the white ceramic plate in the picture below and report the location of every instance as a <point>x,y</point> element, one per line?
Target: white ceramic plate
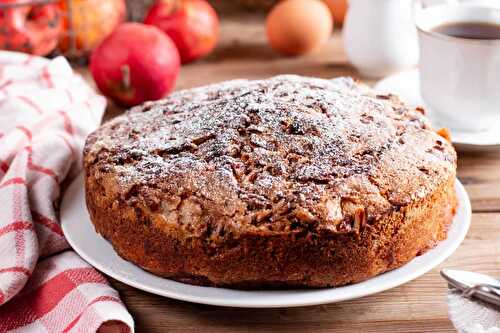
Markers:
<point>407,86</point>
<point>80,233</point>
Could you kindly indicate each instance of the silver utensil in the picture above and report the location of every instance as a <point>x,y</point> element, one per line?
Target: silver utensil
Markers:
<point>484,287</point>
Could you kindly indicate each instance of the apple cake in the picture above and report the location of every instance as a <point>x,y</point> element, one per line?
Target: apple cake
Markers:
<point>278,183</point>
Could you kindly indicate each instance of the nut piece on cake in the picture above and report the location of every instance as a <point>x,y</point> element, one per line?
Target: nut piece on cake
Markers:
<point>285,182</point>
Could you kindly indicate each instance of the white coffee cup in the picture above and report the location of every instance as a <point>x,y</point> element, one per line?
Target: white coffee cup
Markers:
<point>460,77</point>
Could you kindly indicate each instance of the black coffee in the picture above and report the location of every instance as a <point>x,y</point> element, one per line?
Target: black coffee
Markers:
<point>470,30</point>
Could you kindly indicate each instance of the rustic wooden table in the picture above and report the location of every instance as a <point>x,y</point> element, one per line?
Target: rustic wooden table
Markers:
<point>418,306</point>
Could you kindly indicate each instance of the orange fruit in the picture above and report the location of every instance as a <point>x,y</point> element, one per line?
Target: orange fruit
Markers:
<point>91,21</point>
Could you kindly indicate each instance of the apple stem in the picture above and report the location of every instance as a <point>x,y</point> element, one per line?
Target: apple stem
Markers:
<point>126,84</point>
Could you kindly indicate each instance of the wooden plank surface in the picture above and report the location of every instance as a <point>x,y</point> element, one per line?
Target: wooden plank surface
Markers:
<point>418,306</point>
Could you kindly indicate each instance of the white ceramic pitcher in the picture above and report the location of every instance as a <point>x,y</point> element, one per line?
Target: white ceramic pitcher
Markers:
<point>380,37</point>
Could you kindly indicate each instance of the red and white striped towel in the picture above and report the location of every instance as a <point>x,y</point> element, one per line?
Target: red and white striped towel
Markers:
<point>46,112</point>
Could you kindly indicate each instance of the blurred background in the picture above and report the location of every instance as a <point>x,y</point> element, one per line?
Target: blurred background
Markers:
<point>226,38</point>
<point>79,25</point>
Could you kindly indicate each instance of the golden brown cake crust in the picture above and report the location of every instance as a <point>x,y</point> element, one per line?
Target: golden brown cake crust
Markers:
<point>284,182</point>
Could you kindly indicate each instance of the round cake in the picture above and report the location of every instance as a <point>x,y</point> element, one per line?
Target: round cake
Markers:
<point>279,183</point>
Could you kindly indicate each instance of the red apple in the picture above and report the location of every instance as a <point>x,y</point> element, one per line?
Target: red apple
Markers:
<point>136,63</point>
<point>33,29</point>
<point>193,25</point>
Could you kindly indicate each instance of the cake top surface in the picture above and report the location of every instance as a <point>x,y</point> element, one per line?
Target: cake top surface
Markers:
<point>272,155</point>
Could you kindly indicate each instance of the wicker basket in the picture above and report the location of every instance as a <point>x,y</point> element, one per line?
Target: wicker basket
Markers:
<point>59,33</point>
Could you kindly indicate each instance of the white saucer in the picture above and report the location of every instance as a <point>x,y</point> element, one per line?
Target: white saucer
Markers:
<point>98,252</point>
<point>407,86</point>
